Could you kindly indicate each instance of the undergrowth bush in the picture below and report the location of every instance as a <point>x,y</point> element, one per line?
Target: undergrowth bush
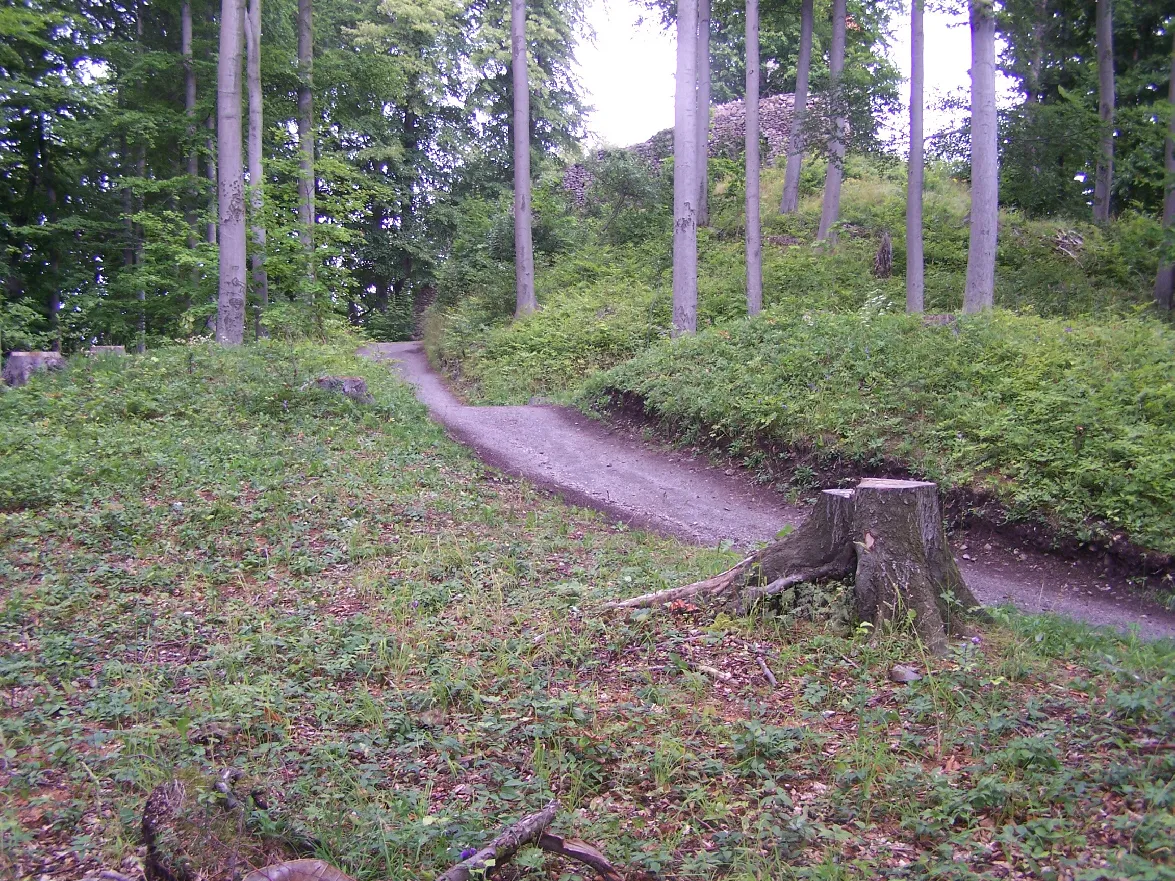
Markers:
<point>1070,419</point>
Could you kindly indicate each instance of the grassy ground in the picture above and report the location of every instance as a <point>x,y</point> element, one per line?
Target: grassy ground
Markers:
<point>205,565</point>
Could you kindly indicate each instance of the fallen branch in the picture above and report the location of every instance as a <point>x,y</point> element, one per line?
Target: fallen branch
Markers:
<point>504,846</point>
<point>580,851</point>
<point>711,587</point>
<point>715,673</point>
<point>530,830</point>
<point>767,674</point>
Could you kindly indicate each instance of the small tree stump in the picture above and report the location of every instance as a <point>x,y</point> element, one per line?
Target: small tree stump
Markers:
<point>22,365</point>
<point>354,387</point>
<point>887,534</point>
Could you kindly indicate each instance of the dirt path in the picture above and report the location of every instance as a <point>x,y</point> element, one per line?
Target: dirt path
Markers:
<point>671,492</point>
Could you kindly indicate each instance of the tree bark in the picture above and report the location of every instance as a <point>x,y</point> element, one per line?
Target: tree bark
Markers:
<point>306,180</point>
<point>1036,61</point>
<point>754,243</point>
<point>190,108</point>
<point>980,289</point>
<point>888,534</point>
<point>685,178</point>
<point>915,280</point>
<point>524,294</point>
<point>141,294</point>
<point>213,179</point>
<point>230,323</point>
<point>799,118</point>
<point>836,149</point>
<point>130,248</point>
<point>1165,280</point>
<point>703,118</point>
<point>193,155</point>
<point>1104,172</point>
<point>256,168</point>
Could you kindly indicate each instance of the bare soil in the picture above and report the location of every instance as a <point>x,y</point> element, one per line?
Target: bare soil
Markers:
<point>683,494</point>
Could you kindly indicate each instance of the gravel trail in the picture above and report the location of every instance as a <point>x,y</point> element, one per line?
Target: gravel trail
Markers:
<point>672,492</point>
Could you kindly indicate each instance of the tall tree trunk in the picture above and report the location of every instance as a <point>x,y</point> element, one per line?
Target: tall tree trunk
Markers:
<point>256,170</point>
<point>524,297</point>
<point>915,286</point>
<point>190,112</point>
<point>980,290</point>
<point>703,118</point>
<point>127,197</point>
<point>1104,173</point>
<point>685,178</point>
<point>189,104</point>
<point>306,181</point>
<point>411,143</point>
<point>1036,62</point>
<point>141,294</point>
<point>836,159</point>
<point>799,117</point>
<point>754,233</point>
<point>213,178</point>
<point>230,322</point>
<point>1165,281</point>
<point>54,257</point>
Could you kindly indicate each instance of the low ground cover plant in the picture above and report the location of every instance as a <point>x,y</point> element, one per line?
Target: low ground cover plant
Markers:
<point>1059,411</point>
<point>207,563</point>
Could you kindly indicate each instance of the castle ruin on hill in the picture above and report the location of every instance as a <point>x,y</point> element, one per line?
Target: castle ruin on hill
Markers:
<point>727,136</point>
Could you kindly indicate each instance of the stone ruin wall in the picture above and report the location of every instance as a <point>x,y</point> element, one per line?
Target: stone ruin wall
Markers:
<point>727,137</point>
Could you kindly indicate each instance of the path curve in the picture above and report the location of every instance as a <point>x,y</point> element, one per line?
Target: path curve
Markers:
<point>672,492</point>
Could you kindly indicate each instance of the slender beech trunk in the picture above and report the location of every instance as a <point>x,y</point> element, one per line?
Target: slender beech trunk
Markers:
<point>1036,62</point>
<point>836,149</point>
<point>524,298</point>
<point>306,180</point>
<point>213,177</point>
<point>799,117</point>
<point>915,285</point>
<point>703,118</point>
<point>1165,281</point>
<point>1103,179</point>
<point>980,290</point>
<point>685,178</point>
<point>54,258</point>
<point>127,195</point>
<point>193,155</point>
<point>256,169</point>
<point>190,109</point>
<point>45,173</point>
<point>230,321</point>
<point>141,294</point>
<point>754,235</point>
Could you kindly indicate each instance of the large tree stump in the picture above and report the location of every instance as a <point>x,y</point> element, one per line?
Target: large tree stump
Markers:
<point>888,534</point>
<point>22,365</point>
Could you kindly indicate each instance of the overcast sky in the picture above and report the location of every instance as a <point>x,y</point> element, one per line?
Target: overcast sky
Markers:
<point>629,71</point>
